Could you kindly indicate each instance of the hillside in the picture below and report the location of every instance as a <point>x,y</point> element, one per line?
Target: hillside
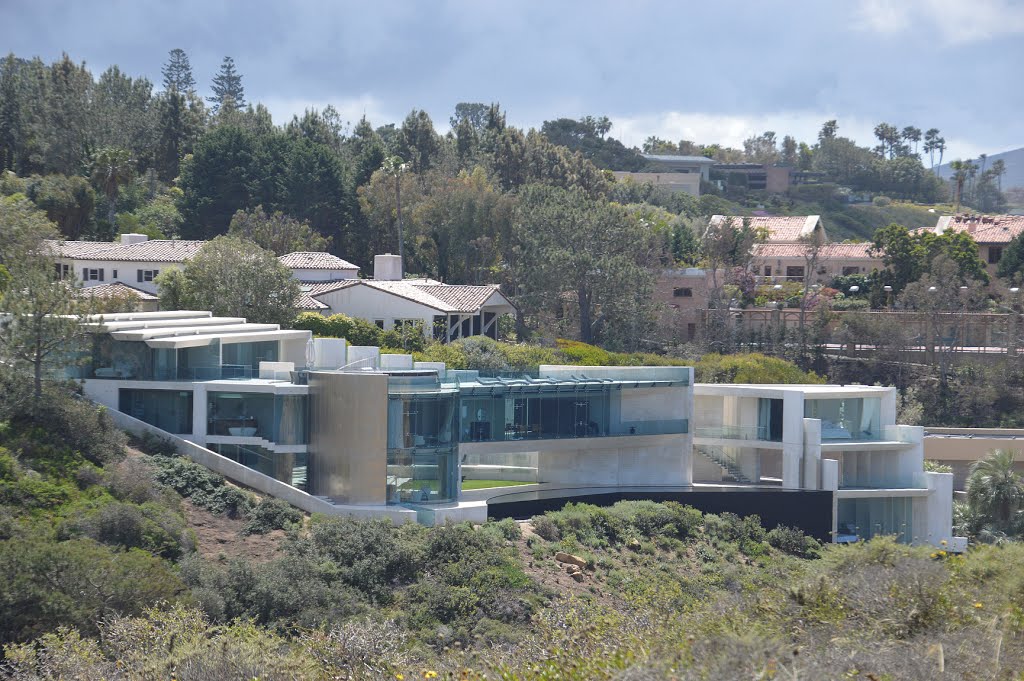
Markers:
<point>1014,160</point>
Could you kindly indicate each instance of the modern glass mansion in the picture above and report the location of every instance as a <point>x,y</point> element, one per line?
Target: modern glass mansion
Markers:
<point>366,431</point>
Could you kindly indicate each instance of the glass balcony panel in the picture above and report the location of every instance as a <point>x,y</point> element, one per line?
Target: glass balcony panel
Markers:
<point>733,432</point>
<point>862,519</point>
<point>852,418</point>
<point>241,415</point>
<point>169,410</point>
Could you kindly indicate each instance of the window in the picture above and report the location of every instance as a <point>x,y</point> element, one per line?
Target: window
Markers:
<point>402,323</point>
<point>92,274</point>
<point>62,270</point>
<point>146,275</point>
<point>847,271</point>
<point>795,272</point>
<point>995,254</point>
<point>767,270</point>
<point>114,274</point>
<point>683,293</point>
<point>379,323</point>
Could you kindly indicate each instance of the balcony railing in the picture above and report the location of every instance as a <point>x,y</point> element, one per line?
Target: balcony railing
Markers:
<point>733,432</point>
<point>480,431</point>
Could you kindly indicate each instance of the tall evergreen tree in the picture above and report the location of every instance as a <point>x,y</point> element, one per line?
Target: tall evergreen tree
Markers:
<point>227,85</point>
<point>177,72</point>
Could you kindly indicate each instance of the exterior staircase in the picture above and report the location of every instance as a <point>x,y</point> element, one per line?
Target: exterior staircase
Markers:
<point>728,466</point>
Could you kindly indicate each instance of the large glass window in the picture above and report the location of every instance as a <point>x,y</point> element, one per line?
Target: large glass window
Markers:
<point>851,418</point>
<point>288,468</point>
<point>200,363</point>
<point>866,518</point>
<point>422,447</point>
<point>246,357</point>
<point>534,417</point>
<point>169,410</point>
<point>278,418</point>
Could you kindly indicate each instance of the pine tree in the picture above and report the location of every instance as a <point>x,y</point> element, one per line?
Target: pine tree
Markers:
<point>227,85</point>
<point>178,72</point>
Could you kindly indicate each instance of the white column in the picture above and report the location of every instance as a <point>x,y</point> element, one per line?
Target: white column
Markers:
<point>812,454</point>
<point>939,508</point>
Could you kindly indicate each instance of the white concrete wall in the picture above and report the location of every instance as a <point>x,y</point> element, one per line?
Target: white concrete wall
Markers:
<point>248,477</point>
<point>330,353</point>
<point>363,356</point>
<point>370,304</point>
<point>395,361</point>
<point>127,272</point>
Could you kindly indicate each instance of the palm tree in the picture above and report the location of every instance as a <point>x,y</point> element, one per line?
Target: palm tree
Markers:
<point>111,169</point>
<point>961,171</point>
<point>994,490</point>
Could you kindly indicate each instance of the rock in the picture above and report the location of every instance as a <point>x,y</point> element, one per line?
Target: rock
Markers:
<point>572,569</point>
<point>578,576</point>
<point>563,557</point>
<point>633,544</point>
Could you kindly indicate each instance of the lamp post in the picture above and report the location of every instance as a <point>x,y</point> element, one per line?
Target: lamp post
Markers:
<point>1011,330</point>
<point>888,296</point>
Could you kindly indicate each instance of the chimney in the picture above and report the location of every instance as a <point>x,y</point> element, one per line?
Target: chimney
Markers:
<point>387,267</point>
<point>129,239</point>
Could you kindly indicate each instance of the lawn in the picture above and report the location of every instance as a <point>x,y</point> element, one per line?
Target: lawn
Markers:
<point>484,484</point>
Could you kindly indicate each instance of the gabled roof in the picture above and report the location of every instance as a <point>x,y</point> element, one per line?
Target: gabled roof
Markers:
<point>780,228</point>
<point>154,250</point>
<point>308,302</point>
<point>315,260</point>
<point>116,288</point>
<point>446,298</point>
<point>984,229</point>
<point>827,251</point>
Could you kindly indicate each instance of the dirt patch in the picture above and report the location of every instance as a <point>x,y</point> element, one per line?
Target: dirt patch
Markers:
<point>552,575</point>
<point>219,537</point>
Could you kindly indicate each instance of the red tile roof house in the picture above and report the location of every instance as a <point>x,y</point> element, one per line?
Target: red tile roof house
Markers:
<point>782,256</point>
<point>992,233</point>
<point>328,284</point>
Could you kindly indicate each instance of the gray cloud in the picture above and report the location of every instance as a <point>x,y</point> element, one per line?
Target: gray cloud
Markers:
<point>867,61</point>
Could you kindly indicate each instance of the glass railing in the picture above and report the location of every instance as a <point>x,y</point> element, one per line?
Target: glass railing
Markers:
<point>224,372</point>
<point>733,432</point>
<point>480,432</point>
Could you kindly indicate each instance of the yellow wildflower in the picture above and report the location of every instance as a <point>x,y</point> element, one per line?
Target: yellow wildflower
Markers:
<point>978,605</point>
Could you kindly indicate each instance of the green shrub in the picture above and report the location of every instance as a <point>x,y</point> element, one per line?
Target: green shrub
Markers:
<point>355,331</point>
<point>850,304</point>
<point>546,528</point>
<point>203,487</point>
<point>750,368</point>
<point>150,527</point>
<point>793,541</point>
<point>271,514</point>
<point>503,530</point>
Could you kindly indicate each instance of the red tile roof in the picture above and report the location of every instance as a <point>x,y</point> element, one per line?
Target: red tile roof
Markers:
<point>116,288</point>
<point>315,260</point>
<point>984,229</point>
<point>154,250</point>
<point>780,228</point>
<point>827,252</point>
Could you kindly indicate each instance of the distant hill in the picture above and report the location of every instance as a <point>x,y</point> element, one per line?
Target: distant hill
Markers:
<point>1014,161</point>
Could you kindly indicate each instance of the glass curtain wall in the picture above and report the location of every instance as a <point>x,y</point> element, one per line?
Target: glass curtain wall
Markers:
<point>245,358</point>
<point>169,410</point>
<point>535,417</point>
<point>200,363</point>
<point>852,418</point>
<point>867,518</point>
<point>422,448</point>
<point>278,418</point>
<point>288,468</point>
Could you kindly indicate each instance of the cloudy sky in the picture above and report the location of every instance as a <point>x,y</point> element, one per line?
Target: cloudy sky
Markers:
<point>709,71</point>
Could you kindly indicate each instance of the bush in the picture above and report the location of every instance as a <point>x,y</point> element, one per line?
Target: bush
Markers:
<point>850,304</point>
<point>150,527</point>
<point>355,331</point>
<point>793,541</point>
<point>203,487</point>
<point>881,201</point>
<point>750,368</point>
<point>546,528</point>
<point>271,514</point>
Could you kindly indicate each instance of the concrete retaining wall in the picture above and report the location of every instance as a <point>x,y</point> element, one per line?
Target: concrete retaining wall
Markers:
<point>248,477</point>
